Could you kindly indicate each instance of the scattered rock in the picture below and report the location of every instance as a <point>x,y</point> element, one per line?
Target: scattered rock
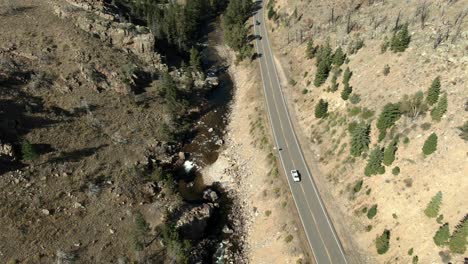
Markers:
<point>210,195</point>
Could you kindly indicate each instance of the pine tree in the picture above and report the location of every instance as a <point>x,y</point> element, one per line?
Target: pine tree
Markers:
<point>433,92</point>
<point>347,76</point>
<point>334,84</point>
<point>442,235</point>
<point>322,73</point>
<point>458,241</point>
<point>433,207</point>
<point>347,90</point>
<point>382,243</point>
<point>339,57</point>
<point>374,163</point>
<point>430,145</point>
<point>360,139</point>
<point>438,111</point>
<point>28,151</point>
<point>390,114</point>
<point>372,212</point>
<point>195,59</point>
<point>321,109</point>
<point>400,40</point>
<point>389,153</point>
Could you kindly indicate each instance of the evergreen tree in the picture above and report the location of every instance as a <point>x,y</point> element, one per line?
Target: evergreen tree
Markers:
<point>430,145</point>
<point>347,90</point>
<point>433,92</point>
<point>433,207</point>
<point>438,111</point>
<point>390,114</point>
<point>372,212</point>
<point>347,76</point>
<point>389,153</point>
<point>458,241</point>
<point>271,13</point>
<point>321,109</point>
<point>382,243</point>
<point>334,84</point>
<point>374,163</point>
<point>325,54</point>
<point>339,57</point>
<point>28,151</point>
<point>195,59</point>
<point>442,235</point>
<point>400,40</point>
<point>310,50</point>
<point>322,73</point>
<point>170,93</point>
<point>360,139</point>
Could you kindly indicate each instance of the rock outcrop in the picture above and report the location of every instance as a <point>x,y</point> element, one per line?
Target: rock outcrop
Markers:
<point>194,220</point>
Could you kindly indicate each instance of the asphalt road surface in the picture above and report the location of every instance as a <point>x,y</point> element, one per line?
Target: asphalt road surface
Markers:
<point>318,228</point>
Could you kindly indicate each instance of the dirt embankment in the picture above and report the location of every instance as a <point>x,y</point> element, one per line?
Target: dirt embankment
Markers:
<point>401,198</point>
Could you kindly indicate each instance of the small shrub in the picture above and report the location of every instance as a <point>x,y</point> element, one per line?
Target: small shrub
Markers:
<point>382,243</point>
<point>440,218</point>
<point>386,70</point>
<point>464,131</point>
<point>368,191</point>
<point>288,238</point>
<point>321,109</point>
<point>415,260</point>
<point>442,236</point>
<point>368,228</point>
<point>28,151</point>
<point>355,99</point>
<point>406,140</point>
<point>433,91</point>
<point>305,91</point>
<point>396,171</point>
<point>372,212</point>
<point>354,111</point>
<point>367,113</point>
<point>358,186</point>
<point>374,164</point>
<point>410,251</point>
<point>310,50</point>
<point>385,44</point>
<point>430,145</point>
<point>433,207</point>
<point>267,213</point>
<point>426,126</point>
<point>292,82</point>
<point>413,106</point>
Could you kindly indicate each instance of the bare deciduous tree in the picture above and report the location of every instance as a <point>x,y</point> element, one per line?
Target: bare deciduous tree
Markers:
<point>422,11</point>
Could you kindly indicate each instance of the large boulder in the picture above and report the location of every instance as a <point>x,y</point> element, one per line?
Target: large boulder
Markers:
<point>194,220</point>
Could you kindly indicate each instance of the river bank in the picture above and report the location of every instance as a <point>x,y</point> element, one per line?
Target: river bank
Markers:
<point>245,171</point>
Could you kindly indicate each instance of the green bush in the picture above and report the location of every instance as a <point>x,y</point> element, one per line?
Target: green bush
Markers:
<point>358,186</point>
<point>438,111</point>
<point>382,243</point>
<point>442,236</point>
<point>354,111</point>
<point>339,57</point>
<point>321,109</point>
<point>374,163</point>
<point>389,153</point>
<point>458,241</point>
<point>415,260</point>
<point>28,151</point>
<point>400,40</point>
<point>334,84</point>
<point>305,91</point>
<point>360,139</point>
<point>433,91</point>
<point>396,171</point>
<point>288,238</point>
<point>195,59</point>
<point>372,212</point>
<point>355,98</point>
<point>367,113</point>
<point>464,131</point>
<point>430,145</point>
<point>347,76</point>
<point>389,115</point>
<point>410,251</point>
<point>433,207</point>
<point>386,70</point>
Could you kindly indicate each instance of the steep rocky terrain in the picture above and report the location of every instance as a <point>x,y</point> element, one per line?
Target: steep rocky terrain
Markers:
<point>386,217</point>
<point>89,139</point>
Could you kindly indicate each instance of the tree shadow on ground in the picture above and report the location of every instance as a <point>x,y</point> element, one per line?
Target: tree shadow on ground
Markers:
<point>76,155</point>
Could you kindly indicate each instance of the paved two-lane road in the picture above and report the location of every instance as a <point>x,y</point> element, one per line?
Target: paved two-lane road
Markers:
<point>318,228</point>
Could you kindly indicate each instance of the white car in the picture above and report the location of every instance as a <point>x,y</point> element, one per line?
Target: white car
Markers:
<point>295,175</point>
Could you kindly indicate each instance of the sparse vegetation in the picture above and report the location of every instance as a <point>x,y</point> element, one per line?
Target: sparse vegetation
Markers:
<point>386,70</point>
<point>464,131</point>
<point>413,106</point>
<point>396,170</point>
<point>358,186</point>
<point>389,153</point>
<point>439,110</point>
<point>347,90</point>
<point>430,145</point>
<point>433,207</point>
<point>28,151</point>
<point>372,211</point>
